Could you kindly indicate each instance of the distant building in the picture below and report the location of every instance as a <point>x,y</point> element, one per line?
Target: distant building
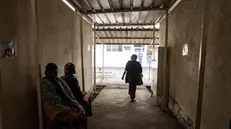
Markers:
<point>118,55</point>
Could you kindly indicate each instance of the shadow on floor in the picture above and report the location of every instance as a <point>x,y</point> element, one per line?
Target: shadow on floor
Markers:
<point>113,110</point>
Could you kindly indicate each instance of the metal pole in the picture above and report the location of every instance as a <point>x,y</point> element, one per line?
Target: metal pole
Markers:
<point>94,42</point>
<point>39,95</point>
<point>149,72</point>
<point>102,64</point>
<point>154,39</point>
<point>39,74</point>
<point>1,101</point>
<point>103,60</point>
<point>202,60</point>
<point>154,43</point>
<point>81,46</point>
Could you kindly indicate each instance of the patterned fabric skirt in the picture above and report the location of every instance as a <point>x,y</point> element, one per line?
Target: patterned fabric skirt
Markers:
<point>73,119</point>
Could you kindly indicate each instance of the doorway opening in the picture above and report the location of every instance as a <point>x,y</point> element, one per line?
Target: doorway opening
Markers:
<point>112,58</point>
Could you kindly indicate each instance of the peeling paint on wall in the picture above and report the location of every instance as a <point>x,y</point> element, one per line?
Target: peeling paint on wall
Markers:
<point>180,114</point>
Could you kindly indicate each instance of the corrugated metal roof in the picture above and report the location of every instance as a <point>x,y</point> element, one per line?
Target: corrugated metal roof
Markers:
<point>122,21</point>
<point>144,17</point>
<point>124,37</point>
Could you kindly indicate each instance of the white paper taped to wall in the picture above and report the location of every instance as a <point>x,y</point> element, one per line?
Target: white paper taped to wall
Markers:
<point>185,50</point>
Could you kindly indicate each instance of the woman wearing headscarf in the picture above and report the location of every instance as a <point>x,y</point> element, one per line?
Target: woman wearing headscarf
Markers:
<point>73,84</point>
<point>61,109</point>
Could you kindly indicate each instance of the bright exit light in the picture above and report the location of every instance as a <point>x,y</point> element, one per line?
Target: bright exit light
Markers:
<point>157,25</point>
<point>69,5</point>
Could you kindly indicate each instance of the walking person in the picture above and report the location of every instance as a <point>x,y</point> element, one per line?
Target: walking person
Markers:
<point>133,72</point>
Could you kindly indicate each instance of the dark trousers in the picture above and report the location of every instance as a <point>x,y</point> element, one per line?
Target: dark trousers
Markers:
<point>132,90</point>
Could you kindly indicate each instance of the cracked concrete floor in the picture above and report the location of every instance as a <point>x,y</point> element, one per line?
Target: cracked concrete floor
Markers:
<point>113,110</point>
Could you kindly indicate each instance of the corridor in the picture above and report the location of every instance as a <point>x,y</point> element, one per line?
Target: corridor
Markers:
<point>113,110</point>
<point>187,41</point>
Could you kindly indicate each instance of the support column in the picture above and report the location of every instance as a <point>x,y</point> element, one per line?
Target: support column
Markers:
<point>153,50</point>
<point>154,38</point>
<point>165,83</point>
<point>81,45</point>
<point>94,58</point>
<point>1,99</point>
<point>202,60</point>
<point>102,61</point>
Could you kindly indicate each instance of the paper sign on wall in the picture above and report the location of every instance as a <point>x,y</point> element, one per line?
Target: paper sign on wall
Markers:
<point>185,50</point>
<point>7,49</point>
<point>88,47</point>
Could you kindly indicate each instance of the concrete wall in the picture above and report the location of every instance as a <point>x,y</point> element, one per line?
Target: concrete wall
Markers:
<point>18,75</point>
<point>184,28</point>
<point>56,38</point>
<point>216,112</point>
<point>55,33</point>
<point>60,40</point>
<point>185,24</point>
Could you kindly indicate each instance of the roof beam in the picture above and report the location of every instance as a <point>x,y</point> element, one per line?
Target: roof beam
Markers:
<point>125,24</point>
<point>126,43</point>
<point>131,4</point>
<point>100,19</point>
<point>145,18</point>
<point>121,7</point>
<point>78,6</point>
<point>131,8</point>
<point>111,5</point>
<point>126,29</point>
<point>142,4</point>
<point>139,17</point>
<point>124,10</point>
<point>107,18</point>
<point>123,17</point>
<point>101,6</point>
<point>89,4</point>
<point>121,4</point>
<point>126,38</point>
<point>112,9</point>
<point>145,35</point>
<point>153,4</point>
<point>80,10</point>
<point>99,39</point>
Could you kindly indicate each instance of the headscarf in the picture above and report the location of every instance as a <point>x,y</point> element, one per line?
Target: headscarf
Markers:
<point>134,57</point>
<point>68,67</point>
<point>50,67</point>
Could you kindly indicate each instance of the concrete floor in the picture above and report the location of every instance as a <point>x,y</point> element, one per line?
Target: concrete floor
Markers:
<point>113,110</point>
<point>113,76</point>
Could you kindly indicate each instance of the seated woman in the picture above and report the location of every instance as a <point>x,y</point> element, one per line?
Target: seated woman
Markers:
<point>62,111</point>
<point>73,83</point>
